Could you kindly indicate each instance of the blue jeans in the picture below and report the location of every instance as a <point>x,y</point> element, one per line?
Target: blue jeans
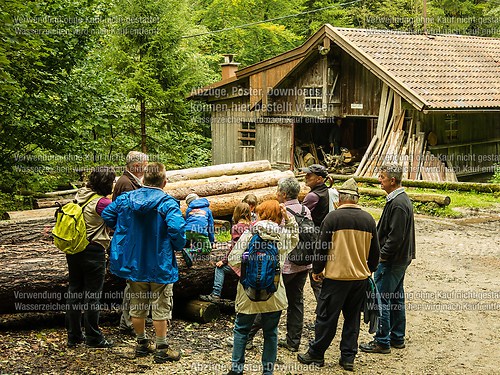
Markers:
<point>219,275</point>
<point>242,325</point>
<point>392,325</point>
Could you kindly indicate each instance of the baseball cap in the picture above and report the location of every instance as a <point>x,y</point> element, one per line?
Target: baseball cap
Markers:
<point>317,169</point>
<point>349,187</point>
<point>191,197</point>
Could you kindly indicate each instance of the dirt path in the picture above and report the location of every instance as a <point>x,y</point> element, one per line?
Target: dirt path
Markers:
<point>453,313</point>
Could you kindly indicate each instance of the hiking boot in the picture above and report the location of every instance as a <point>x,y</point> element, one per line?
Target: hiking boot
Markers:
<point>164,354</point>
<point>210,298</point>
<point>374,347</point>
<point>144,347</point>
<point>284,344</point>
<point>73,343</point>
<point>308,359</point>
<point>103,344</point>
<point>348,366</point>
<point>398,346</point>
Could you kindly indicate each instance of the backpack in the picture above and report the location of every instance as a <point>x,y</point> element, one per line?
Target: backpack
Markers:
<point>303,253</point>
<point>70,231</point>
<point>260,269</point>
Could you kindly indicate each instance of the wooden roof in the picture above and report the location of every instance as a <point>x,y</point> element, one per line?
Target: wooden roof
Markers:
<point>432,72</point>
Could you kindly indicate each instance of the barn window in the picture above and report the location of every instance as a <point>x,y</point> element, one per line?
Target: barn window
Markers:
<point>313,98</point>
<point>451,131</point>
<point>247,134</point>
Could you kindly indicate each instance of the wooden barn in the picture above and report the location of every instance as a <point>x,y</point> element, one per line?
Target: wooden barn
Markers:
<point>429,102</point>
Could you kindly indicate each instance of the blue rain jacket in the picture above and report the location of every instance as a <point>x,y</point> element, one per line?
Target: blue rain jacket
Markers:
<point>199,218</point>
<point>148,226</point>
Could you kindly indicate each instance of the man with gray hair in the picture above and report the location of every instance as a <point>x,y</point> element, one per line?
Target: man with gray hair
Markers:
<point>396,233</point>
<point>131,179</point>
<point>347,254</point>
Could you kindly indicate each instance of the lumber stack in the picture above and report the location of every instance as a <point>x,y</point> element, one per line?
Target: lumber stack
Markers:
<point>398,141</point>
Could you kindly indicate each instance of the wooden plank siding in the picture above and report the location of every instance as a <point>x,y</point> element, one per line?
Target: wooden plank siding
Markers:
<point>262,82</point>
<point>274,142</point>
<point>477,144</point>
<point>358,86</point>
<point>225,126</point>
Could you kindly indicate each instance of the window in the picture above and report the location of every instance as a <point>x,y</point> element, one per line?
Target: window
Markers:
<point>247,134</point>
<point>451,131</point>
<point>313,98</point>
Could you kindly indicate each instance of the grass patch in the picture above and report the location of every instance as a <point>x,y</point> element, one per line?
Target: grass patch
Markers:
<point>460,201</point>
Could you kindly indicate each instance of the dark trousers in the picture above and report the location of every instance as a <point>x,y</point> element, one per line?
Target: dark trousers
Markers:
<point>315,285</point>
<point>337,296</point>
<point>294,286</point>
<point>86,279</point>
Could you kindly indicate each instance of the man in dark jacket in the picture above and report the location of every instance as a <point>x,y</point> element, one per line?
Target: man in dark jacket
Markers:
<point>396,233</point>
<point>128,181</point>
<point>317,200</point>
<point>131,178</point>
<point>348,253</point>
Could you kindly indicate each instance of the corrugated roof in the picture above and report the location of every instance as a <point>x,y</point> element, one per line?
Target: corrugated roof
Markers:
<point>437,72</point>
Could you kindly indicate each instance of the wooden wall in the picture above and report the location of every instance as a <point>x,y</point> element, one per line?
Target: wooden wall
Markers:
<point>477,145</point>
<point>225,126</point>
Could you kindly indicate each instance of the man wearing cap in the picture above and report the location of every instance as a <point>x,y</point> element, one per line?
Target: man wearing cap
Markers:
<point>347,254</point>
<point>317,200</point>
<point>396,233</point>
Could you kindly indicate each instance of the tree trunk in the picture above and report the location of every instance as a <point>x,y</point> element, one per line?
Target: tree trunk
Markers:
<point>27,230</point>
<point>51,202</point>
<point>34,278</point>
<point>225,184</point>
<point>200,311</point>
<point>460,186</point>
<point>144,147</point>
<point>43,213</point>
<point>442,200</point>
<point>218,170</point>
<point>223,205</point>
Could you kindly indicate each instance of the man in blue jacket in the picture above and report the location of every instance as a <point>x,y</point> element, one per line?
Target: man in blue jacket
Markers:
<point>149,227</point>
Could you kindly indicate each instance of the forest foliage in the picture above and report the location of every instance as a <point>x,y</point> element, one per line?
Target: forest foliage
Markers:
<point>84,82</point>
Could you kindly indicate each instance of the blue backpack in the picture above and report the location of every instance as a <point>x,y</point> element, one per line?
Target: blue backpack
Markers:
<point>260,269</point>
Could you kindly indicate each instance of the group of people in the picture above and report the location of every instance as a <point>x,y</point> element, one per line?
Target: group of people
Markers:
<point>148,226</point>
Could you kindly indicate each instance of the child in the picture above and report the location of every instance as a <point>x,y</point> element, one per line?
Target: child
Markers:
<point>252,201</point>
<point>241,216</point>
<point>199,224</point>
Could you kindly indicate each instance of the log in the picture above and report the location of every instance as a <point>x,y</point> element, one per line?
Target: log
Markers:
<point>26,230</point>
<point>223,205</point>
<point>218,170</point>
<point>225,184</point>
<point>445,185</point>
<point>201,311</point>
<point>29,214</point>
<point>442,200</point>
<point>58,193</point>
<point>34,278</point>
<point>47,203</point>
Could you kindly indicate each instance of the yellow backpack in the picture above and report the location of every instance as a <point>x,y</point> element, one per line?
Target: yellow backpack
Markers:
<point>70,231</point>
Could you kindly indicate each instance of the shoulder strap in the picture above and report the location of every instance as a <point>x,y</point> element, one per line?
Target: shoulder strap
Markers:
<point>90,200</point>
